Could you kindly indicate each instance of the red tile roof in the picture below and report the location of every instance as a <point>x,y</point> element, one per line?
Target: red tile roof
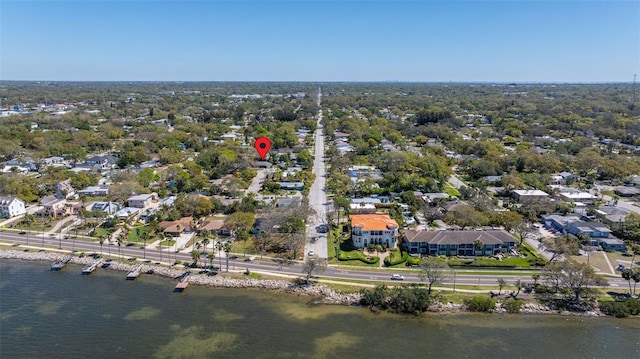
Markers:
<point>373,222</point>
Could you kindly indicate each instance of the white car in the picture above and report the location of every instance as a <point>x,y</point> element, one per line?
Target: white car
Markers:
<point>397,277</point>
<point>311,253</point>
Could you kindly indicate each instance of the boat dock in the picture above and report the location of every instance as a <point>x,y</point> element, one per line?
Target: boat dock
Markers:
<point>184,282</point>
<point>60,264</point>
<point>90,268</point>
<point>135,272</point>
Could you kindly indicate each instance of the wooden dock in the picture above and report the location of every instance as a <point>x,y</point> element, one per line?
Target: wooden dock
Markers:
<point>60,264</point>
<point>183,283</point>
<point>92,267</point>
<point>135,272</point>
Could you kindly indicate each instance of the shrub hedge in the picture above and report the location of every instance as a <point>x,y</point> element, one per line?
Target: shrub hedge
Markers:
<point>480,304</point>
<point>395,257</point>
<point>621,308</point>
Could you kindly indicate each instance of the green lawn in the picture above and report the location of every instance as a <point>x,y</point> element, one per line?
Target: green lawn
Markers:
<point>350,255</point>
<point>167,243</point>
<point>135,234</point>
<point>102,231</point>
<point>451,191</point>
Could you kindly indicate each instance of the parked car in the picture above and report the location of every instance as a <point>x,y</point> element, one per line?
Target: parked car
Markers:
<point>323,228</point>
<point>620,267</point>
<point>311,253</point>
<point>397,277</point>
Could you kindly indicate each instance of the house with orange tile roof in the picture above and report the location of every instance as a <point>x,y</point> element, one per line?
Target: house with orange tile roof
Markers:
<point>369,229</point>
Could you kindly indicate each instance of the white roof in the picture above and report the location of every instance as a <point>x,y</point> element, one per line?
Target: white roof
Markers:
<point>530,192</point>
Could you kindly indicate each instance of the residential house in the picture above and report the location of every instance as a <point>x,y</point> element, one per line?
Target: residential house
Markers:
<point>558,222</point>
<point>54,207</point>
<point>11,206</point>
<point>288,201</point>
<point>563,178</point>
<point>291,171</point>
<point>217,226</point>
<point>291,186</point>
<point>107,207</point>
<point>52,161</point>
<point>127,212</point>
<point>99,163</point>
<point>574,195</point>
<point>528,196</point>
<point>364,205</point>
<point>627,191</point>
<point>612,216</point>
<point>458,243</point>
<point>142,200</point>
<point>435,197</point>
<point>369,229</point>
<point>362,208</point>
<point>94,191</point>
<point>65,190</point>
<point>21,165</point>
<point>176,228</point>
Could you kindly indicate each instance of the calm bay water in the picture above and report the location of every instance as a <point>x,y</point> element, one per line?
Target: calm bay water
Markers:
<point>47,314</point>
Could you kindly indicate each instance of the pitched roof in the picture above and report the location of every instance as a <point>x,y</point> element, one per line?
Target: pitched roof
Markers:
<point>373,222</point>
<point>458,237</point>
<point>176,226</point>
<point>213,225</point>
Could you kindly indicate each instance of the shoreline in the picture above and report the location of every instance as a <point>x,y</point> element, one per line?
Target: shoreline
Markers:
<point>326,294</point>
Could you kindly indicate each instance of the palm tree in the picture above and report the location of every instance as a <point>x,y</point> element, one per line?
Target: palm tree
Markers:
<point>227,250</point>
<point>219,247</point>
<point>145,235</point>
<point>28,220</point>
<point>195,255</point>
<point>211,256</point>
<point>101,240</point>
<point>119,241</point>
<point>501,284</point>
<point>205,233</point>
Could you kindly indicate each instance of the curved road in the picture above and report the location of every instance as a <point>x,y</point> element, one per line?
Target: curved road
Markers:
<point>240,264</point>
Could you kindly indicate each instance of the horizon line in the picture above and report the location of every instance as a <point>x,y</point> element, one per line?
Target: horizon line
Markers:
<point>338,81</point>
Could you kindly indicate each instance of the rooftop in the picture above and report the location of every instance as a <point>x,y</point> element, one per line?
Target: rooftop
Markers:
<point>373,222</point>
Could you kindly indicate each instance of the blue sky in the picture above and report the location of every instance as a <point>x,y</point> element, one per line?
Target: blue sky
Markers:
<point>432,41</point>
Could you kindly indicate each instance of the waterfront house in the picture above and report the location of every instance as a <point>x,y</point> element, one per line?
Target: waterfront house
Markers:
<point>176,228</point>
<point>369,229</point>
<point>54,207</point>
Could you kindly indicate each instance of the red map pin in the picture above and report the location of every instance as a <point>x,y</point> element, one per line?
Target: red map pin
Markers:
<point>262,145</point>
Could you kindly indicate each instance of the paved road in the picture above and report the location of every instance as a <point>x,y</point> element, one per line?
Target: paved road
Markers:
<point>317,193</point>
<point>239,264</point>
